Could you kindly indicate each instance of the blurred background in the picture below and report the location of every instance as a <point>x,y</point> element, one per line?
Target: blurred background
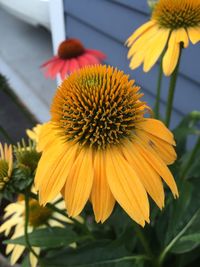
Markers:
<point>31,32</point>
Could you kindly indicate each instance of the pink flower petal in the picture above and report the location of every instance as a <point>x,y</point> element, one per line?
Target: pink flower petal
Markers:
<point>65,70</point>
<point>83,61</point>
<point>98,54</point>
<point>52,60</point>
<point>91,59</point>
<point>73,65</point>
<point>55,68</point>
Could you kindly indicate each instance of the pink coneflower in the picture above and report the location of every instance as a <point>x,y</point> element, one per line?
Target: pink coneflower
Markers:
<point>71,56</point>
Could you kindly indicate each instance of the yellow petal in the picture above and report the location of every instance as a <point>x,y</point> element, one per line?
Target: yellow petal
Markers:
<point>156,128</point>
<point>156,162</point>
<point>79,183</point>
<point>101,196</point>
<point>33,259</point>
<point>158,44</point>
<point>16,253</point>
<point>171,56</point>
<point>165,151</point>
<point>137,59</point>
<point>47,161</point>
<point>194,34</point>
<point>139,31</point>
<point>148,176</point>
<point>182,36</point>
<point>56,175</point>
<point>142,41</point>
<point>126,187</point>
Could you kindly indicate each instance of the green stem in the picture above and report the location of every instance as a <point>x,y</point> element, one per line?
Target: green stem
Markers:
<point>28,245</point>
<point>158,94</point>
<point>191,159</point>
<point>143,240</point>
<point>176,238</point>
<point>172,87</point>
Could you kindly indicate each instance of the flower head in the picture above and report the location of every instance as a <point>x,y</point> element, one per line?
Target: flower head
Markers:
<point>71,56</point>
<point>98,146</point>
<point>39,217</point>
<point>173,23</point>
<point>6,164</point>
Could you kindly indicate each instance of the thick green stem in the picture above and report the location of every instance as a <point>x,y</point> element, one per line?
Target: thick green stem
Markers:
<point>158,94</point>
<point>190,159</point>
<point>172,87</point>
<point>28,245</point>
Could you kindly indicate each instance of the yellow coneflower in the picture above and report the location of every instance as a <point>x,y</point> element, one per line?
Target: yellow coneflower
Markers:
<point>39,217</point>
<point>33,134</point>
<point>173,22</point>
<point>99,146</point>
<point>6,164</point>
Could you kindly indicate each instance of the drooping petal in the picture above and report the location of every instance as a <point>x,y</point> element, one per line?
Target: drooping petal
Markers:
<point>156,162</point>
<point>142,41</point>
<point>101,196</point>
<point>170,58</point>
<point>156,128</point>
<point>73,65</point>
<point>83,61</point>
<point>194,34</point>
<point>79,183</point>
<point>52,60</point>
<point>33,259</point>
<point>65,70</point>
<point>92,59</point>
<point>126,187</point>
<point>55,68</point>
<point>157,46</point>
<point>56,175</point>
<point>139,32</point>
<point>16,253</point>
<point>148,176</point>
<point>98,54</point>
<point>162,148</point>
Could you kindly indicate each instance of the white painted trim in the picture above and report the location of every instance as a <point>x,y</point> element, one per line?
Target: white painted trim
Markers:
<point>57,22</point>
<point>31,101</point>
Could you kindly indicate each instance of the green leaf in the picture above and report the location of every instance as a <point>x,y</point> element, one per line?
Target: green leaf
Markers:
<point>187,243</point>
<point>96,254</point>
<point>193,237</point>
<point>186,127</point>
<point>48,238</point>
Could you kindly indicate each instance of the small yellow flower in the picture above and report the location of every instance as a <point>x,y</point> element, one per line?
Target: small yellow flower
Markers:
<point>173,22</point>
<point>39,217</point>
<point>6,164</point>
<point>98,146</point>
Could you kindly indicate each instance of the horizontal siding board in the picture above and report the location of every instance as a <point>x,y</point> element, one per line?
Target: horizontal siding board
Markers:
<point>117,58</point>
<point>140,5</point>
<point>119,22</point>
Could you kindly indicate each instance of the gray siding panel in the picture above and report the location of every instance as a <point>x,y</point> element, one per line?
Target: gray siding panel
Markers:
<point>106,24</point>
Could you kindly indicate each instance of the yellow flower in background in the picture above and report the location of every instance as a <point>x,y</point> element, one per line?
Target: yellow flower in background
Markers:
<point>6,164</point>
<point>172,22</point>
<point>99,147</point>
<point>39,217</point>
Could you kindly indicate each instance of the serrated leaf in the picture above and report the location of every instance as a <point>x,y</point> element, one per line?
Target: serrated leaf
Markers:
<point>48,238</point>
<point>98,254</point>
